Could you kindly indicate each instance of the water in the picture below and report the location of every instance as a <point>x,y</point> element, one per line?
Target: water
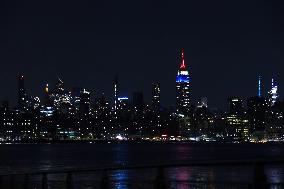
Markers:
<point>35,157</point>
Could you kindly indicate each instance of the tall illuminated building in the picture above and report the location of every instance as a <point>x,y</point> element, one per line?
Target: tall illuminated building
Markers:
<point>116,93</point>
<point>156,98</point>
<point>22,96</point>
<point>182,88</point>
<point>273,93</point>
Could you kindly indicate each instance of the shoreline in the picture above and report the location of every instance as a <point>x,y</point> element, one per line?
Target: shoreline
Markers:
<point>136,142</point>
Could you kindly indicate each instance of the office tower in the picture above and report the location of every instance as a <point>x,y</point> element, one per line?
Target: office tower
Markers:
<point>61,98</point>
<point>85,100</point>
<point>182,88</point>
<point>75,96</point>
<point>116,93</point>
<point>257,108</point>
<point>238,124</point>
<point>202,102</point>
<point>235,106</point>
<point>273,96</point>
<point>156,99</point>
<point>22,96</point>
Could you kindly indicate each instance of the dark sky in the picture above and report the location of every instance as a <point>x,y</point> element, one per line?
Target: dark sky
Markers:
<point>86,43</point>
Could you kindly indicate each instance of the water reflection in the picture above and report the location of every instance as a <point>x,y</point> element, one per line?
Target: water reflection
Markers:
<point>120,179</point>
<point>179,177</point>
<point>275,174</point>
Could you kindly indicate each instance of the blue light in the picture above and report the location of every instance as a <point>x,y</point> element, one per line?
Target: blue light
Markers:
<point>182,79</point>
<point>259,86</point>
<point>123,98</point>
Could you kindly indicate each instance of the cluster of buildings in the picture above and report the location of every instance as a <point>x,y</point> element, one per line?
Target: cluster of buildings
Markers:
<point>71,114</point>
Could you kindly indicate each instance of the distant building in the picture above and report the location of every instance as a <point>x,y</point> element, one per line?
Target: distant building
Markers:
<point>156,98</point>
<point>75,94</point>
<point>85,101</point>
<point>60,98</point>
<point>256,109</point>
<point>116,93</point>
<point>22,96</point>
<point>182,88</point>
<point>273,95</point>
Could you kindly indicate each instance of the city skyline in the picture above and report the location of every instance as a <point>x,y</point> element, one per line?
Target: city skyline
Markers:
<point>181,66</point>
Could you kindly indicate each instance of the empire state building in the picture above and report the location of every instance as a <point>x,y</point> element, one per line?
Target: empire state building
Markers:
<point>182,88</point>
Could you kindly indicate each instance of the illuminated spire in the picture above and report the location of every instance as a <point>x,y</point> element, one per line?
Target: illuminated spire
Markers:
<point>259,86</point>
<point>46,88</point>
<point>182,59</point>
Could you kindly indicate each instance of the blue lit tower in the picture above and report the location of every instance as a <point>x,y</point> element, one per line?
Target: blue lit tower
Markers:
<point>259,86</point>
<point>273,93</point>
<point>182,88</point>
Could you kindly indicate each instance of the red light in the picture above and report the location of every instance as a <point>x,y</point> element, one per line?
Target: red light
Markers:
<point>182,59</point>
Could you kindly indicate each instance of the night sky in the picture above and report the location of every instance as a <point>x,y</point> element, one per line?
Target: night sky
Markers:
<point>86,43</point>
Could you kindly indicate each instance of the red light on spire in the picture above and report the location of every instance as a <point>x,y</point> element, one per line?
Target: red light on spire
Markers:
<point>182,59</point>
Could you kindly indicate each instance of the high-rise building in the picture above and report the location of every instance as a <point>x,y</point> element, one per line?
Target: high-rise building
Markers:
<point>75,94</point>
<point>116,93</point>
<point>85,101</point>
<point>22,96</point>
<point>202,102</point>
<point>257,109</point>
<point>182,88</point>
<point>273,93</point>
<point>156,99</point>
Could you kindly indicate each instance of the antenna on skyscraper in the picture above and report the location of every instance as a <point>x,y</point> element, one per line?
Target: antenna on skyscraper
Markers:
<point>182,59</point>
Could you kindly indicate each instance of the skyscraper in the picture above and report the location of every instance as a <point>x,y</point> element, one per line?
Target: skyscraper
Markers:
<point>85,101</point>
<point>116,93</point>
<point>156,101</point>
<point>22,96</point>
<point>273,93</point>
<point>182,88</point>
<point>257,108</point>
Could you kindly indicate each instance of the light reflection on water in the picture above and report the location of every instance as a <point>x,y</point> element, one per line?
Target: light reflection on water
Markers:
<point>25,158</point>
<point>120,178</point>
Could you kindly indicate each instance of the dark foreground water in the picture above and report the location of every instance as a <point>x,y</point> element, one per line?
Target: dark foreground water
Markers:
<point>34,157</point>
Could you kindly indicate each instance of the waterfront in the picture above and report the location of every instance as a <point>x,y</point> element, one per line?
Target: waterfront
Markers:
<point>22,158</point>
